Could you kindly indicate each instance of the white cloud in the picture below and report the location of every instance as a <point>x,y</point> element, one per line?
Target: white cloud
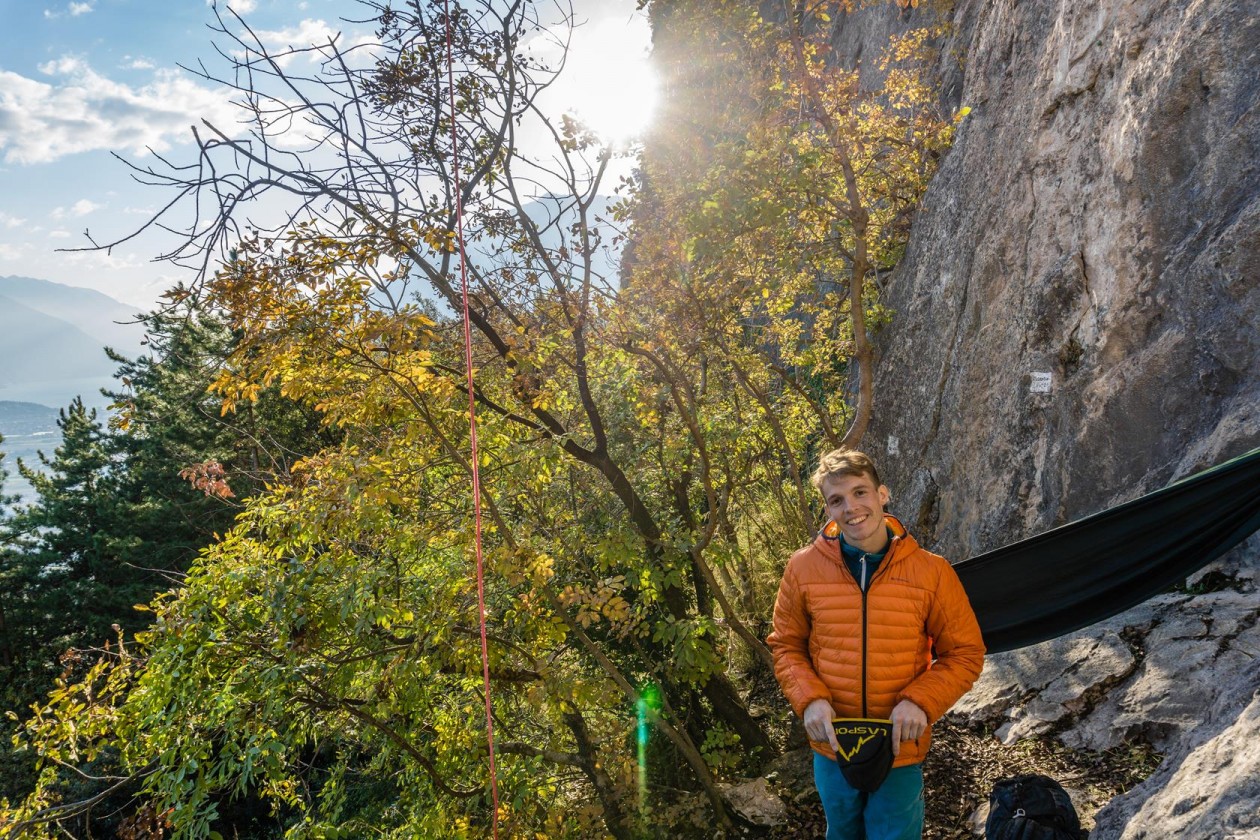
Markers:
<point>59,234</point>
<point>137,63</point>
<point>10,252</point>
<point>74,9</point>
<point>10,221</point>
<point>82,207</point>
<point>309,32</point>
<point>84,111</point>
<point>99,259</point>
<point>241,7</point>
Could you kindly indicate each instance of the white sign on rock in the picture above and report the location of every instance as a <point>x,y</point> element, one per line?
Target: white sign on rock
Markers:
<point>1040,382</point>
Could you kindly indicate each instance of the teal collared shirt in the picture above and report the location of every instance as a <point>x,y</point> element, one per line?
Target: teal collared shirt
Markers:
<point>863,563</point>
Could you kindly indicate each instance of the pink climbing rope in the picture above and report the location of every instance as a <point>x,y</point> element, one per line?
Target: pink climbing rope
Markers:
<point>472,416</point>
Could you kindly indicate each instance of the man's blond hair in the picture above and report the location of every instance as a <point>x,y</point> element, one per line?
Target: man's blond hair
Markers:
<point>843,461</point>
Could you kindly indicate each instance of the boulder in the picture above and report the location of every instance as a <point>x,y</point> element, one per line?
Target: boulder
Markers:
<point>1031,690</point>
<point>1193,655</point>
<point>1209,783</point>
<point>756,802</point>
<point>1182,672</point>
<point>793,773</point>
<point>1146,673</point>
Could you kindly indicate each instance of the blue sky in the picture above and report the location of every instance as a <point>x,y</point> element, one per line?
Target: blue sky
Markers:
<point>80,79</point>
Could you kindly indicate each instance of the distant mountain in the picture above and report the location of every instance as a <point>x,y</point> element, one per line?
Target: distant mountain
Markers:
<point>53,339</point>
<point>35,347</point>
<point>110,322</point>
<point>24,418</point>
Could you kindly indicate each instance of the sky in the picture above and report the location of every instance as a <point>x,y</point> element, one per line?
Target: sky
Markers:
<point>81,79</point>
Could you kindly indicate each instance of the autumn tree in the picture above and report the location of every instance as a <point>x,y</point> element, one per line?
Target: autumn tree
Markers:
<point>112,521</point>
<point>633,422</point>
<point>788,178</point>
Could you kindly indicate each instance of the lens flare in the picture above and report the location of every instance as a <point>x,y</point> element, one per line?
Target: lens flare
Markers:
<point>648,706</point>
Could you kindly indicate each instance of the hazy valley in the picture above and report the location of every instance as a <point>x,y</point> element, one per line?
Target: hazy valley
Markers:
<point>52,349</point>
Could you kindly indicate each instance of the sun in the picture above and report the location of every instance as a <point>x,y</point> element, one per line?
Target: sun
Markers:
<point>618,100</point>
<point>607,81</point>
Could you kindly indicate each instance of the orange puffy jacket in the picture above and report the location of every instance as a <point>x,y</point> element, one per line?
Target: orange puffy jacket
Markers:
<point>867,653</point>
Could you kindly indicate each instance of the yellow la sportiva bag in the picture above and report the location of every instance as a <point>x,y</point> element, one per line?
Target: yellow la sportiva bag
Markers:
<point>865,755</point>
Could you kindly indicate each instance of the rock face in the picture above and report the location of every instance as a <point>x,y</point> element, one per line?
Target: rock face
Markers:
<point>1077,323</point>
<point>1208,787</point>
<point>1095,230</point>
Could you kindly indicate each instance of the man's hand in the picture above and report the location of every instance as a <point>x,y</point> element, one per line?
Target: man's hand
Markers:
<point>909,722</point>
<point>818,715</point>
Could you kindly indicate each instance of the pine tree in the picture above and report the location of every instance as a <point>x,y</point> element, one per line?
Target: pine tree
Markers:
<point>114,519</point>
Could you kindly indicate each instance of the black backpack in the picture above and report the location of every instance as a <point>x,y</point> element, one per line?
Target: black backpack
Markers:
<point>1031,807</point>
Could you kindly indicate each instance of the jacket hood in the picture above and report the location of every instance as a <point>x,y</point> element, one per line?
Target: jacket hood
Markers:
<point>828,539</point>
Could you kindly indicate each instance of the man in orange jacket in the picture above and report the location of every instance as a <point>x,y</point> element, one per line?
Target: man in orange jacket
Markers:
<point>869,625</point>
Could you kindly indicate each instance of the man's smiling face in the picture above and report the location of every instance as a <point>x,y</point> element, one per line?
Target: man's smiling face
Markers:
<point>857,506</point>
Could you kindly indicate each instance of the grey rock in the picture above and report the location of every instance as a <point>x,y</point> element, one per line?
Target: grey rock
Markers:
<point>756,802</point>
<point>1209,785</point>
<point>1030,690</point>
<point>1098,219</point>
<point>1190,659</point>
<point>1234,565</point>
<point>793,771</point>
<point>975,822</point>
<point>1091,689</point>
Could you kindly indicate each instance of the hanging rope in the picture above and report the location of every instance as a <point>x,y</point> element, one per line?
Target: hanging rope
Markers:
<point>472,414</point>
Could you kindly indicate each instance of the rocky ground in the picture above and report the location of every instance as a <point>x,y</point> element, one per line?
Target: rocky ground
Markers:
<point>961,769</point>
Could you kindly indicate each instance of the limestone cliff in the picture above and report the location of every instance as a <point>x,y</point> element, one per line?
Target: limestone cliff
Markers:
<point>1078,312</point>
<point>1095,230</point>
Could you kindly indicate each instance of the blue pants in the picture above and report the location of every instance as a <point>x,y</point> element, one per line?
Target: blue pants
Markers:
<point>894,812</point>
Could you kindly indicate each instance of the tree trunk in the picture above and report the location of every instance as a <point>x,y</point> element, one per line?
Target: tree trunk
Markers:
<point>616,819</point>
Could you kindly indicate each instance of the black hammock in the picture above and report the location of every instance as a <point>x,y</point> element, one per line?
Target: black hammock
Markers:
<point>1083,572</point>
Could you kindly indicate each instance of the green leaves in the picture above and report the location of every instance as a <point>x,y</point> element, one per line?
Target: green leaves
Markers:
<point>692,645</point>
<point>644,439</point>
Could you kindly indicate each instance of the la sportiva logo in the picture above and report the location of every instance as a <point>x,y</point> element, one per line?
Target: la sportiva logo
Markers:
<point>850,754</point>
<point>853,736</point>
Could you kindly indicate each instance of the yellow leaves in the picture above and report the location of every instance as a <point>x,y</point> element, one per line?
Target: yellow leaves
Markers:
<point>647,414</point>
<point>525,564</point>
<point>602,601</point>
<point>541,567</point>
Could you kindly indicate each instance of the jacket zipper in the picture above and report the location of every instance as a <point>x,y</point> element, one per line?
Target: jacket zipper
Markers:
<point>864,588</point>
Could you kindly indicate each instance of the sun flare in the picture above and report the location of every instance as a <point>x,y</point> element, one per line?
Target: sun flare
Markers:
<point>618,101</point>
<point>607,81</point>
